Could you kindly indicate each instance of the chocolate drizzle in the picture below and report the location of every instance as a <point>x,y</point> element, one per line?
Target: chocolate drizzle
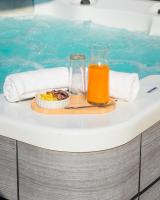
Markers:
<point>59,94</point>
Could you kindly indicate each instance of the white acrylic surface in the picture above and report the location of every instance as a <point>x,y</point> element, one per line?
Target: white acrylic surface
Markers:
<point>82,133</point>
<point>134,15</point>
<point>155,26</point>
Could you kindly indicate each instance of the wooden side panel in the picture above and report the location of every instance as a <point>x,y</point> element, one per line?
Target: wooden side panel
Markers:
<point>152,194</point>
<point>150,163</point>
<point>8,170</point>
<point>104,175</point>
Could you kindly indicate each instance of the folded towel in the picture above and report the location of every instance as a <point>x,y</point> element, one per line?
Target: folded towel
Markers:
<point>124,86</point>
<point>25,85</point>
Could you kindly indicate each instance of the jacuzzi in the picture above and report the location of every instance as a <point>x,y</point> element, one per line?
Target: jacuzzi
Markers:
<point>114,156</point>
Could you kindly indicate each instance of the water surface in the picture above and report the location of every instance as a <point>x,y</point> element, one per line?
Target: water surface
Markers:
<point>44,42</point>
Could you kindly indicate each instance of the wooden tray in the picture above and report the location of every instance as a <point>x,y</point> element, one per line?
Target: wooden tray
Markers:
<point>75,101</point>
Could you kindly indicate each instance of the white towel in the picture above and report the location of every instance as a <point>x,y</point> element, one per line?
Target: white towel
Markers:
<point>25,85</point>
<point>124,86</point>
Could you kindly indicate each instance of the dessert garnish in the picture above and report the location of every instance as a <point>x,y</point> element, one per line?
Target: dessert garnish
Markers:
<point>54,95</point>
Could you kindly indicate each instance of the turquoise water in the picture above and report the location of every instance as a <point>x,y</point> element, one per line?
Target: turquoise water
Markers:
<point>36,42</point>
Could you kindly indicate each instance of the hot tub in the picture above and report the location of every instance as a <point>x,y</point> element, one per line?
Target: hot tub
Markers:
<point>110,156</point>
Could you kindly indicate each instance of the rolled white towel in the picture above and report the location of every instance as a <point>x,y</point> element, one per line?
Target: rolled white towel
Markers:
<point>25,85</point>
<point>124,86</point>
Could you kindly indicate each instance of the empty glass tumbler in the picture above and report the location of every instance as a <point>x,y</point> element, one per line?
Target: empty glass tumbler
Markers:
<point>98,77</point>
<point>77,80</point>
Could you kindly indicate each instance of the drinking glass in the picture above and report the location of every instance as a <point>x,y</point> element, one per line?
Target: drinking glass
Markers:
<point>77,80</point>
<point>98,77</point>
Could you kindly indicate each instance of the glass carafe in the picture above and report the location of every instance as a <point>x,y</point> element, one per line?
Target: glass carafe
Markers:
<point>77,85</point>
<point>98,77</point>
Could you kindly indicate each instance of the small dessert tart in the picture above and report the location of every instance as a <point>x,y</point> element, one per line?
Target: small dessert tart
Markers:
<point>55,99</point>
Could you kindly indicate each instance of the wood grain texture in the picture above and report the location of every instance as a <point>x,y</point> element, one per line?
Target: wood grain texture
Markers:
<point>152,194</point>
<point>75,101</point>
<point>104,175</point>
<point>8,172</point>
<point>150,160</point>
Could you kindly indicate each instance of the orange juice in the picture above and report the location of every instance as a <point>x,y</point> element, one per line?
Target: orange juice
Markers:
<point>98,84</point>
